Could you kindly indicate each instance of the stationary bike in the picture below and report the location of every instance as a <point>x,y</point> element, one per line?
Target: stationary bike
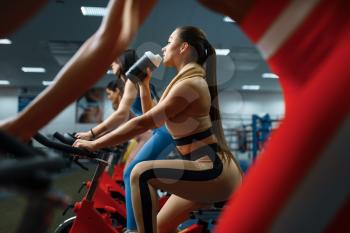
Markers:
<point>93,214</point>
<point>199,223</point>
<point>113,184</point>
<point>108,187</point>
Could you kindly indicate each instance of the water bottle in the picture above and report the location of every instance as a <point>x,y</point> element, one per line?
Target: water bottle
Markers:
<point>138,71</point>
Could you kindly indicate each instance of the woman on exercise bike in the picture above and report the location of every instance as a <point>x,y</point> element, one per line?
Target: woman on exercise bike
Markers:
<point>207,172</point>
<point>114,92</point>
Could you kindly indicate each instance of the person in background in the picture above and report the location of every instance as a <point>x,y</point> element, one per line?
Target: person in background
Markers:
<point>114,93</point>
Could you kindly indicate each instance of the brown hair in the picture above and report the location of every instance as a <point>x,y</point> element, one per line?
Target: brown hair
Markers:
<point>116,84</point>
<point>205,53</point>
<point>126,60</point>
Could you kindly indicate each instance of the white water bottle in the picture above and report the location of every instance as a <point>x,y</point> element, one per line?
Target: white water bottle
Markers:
<point>138,71</point>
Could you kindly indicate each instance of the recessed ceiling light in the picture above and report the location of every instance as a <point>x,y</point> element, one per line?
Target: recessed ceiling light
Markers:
<point>228,19</point>
<point>5,41</point>
<point>93,11</point>
<point>33,69</point>
<point>47,83</point>
<point>4,82</point>
<point>251,87</point>
<point>222,52</point>
<point>269,75</point>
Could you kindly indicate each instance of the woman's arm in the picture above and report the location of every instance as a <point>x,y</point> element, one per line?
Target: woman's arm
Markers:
<point>116,118</point>
<point>175,103</point>
<point>15,12</point>
<point>121,114</point>
<point>85,68</point>
<point>145,93</point>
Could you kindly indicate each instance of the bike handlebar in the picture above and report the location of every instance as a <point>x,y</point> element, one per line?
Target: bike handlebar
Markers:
<point>66,138</point>
<point>63,147</point>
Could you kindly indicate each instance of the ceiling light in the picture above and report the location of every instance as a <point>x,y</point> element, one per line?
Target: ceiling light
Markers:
<point>4,82</point>
<point>47,83</point>
<point>228,19</point>
<point>251,87</point>
<point>269,75</point>
<point>222,52</point>
<point>33,69</point>
<point>93,11</point>
<point>5,41</point>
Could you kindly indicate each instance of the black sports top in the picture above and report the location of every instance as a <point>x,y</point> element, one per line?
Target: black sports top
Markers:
<point>194,137</point>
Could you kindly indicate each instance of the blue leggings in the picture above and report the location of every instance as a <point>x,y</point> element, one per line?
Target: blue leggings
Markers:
<point>157,147</point>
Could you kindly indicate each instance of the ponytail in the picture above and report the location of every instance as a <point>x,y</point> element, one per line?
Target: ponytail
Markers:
<point>215,115</point>
<point>205,55</point>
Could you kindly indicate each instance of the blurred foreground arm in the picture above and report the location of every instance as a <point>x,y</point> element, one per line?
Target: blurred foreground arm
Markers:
<point>89,64</point>
<point>15,12</point>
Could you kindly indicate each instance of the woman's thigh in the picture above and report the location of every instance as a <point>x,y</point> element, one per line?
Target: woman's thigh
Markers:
<point>191,180</point>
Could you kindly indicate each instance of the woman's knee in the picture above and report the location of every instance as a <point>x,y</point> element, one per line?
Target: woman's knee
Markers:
<point>129,168</point>
<point>138,170</point>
